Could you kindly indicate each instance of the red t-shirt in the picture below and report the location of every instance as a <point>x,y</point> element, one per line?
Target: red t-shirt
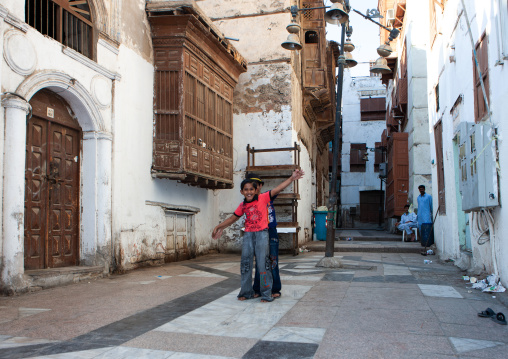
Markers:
<point>256,213</point>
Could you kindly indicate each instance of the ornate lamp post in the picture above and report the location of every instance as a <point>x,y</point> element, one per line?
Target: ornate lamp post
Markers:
<point>338,14</point>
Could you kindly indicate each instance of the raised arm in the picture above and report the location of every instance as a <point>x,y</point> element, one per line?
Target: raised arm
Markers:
<point>297,174</point>
<point>217,231</point>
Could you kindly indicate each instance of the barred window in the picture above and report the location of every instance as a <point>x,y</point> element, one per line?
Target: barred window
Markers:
<point>357,157</point>
<point>67,21</point>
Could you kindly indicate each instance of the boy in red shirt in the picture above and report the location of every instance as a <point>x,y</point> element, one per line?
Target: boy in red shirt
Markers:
<point>255,239</point>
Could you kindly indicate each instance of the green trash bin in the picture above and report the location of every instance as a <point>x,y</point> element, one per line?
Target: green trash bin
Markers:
<point>320,224</point>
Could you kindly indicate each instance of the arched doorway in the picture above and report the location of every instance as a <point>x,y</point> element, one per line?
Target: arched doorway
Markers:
<point>52,184</point>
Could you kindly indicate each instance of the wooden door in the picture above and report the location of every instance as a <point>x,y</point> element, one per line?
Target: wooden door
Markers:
<point>397,181</point>
<point>51,185</point>
<point>370,201</point>
<point>178,236</point>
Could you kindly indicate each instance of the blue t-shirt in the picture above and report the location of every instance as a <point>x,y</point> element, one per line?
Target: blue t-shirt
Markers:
<point>272,220</point>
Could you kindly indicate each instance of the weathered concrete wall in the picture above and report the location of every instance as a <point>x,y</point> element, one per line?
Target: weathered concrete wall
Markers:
<point>268,102</point>
<point>357,131</point>
<point>455,77</point>
<point>137,38</point>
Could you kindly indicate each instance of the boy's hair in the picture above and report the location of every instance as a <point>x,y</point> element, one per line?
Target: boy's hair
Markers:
<point>421,186</point>
<point>255,177</point>
<point>249,180</point>
<point>406,206</point>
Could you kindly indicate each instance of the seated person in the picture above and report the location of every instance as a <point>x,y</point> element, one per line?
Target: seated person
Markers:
<point>407,222</point>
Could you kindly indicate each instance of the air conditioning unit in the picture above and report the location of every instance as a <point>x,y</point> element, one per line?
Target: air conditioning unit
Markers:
<point>390,17</point>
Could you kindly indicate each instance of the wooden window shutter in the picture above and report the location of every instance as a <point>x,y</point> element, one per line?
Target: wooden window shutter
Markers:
<point>357,152</point>
<point>378,156</point>
<point>403,61</point>
<point>433,24</point>
<point>438,139</point>
<point>373,109</point>
<point>480,108</point>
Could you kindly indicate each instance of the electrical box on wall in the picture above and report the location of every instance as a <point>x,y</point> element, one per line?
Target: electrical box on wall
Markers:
<point>382,170</point>
<point>477,166</point>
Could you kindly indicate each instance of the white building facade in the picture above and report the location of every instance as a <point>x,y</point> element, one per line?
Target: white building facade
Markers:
<point>470,224</point>
<point>364,108</point>
<point>78,125</point>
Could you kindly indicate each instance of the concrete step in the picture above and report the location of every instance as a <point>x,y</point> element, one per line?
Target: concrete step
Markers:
<point>367,246</point>
<point>54,277</point>
<point>366,235</point>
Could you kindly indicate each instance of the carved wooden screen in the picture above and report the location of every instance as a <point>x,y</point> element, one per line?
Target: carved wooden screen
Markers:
<point>193,111</point>
<point>208,122</point>
<point>314,47</point>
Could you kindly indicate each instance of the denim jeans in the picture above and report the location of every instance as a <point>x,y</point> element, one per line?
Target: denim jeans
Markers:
<point>274,263</point>
<point>256,243</point>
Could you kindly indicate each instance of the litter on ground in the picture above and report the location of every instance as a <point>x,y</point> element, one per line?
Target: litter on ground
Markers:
<point>490,284</point>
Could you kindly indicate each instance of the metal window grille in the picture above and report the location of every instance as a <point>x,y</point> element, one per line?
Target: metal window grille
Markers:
<point>68,22</point>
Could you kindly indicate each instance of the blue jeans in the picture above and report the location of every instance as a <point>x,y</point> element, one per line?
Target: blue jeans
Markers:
<point>274,263</point>
<point>256,243</point>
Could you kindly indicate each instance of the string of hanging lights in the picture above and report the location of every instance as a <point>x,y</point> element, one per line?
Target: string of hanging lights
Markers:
<point>338,14</point>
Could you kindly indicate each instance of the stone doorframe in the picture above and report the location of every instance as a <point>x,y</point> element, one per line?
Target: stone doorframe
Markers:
<point>95,192</point>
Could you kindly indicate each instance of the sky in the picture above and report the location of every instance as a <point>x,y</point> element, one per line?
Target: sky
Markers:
<point>365,35</point>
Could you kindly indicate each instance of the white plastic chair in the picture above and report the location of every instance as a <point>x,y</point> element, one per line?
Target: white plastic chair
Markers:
<point>415,229</point>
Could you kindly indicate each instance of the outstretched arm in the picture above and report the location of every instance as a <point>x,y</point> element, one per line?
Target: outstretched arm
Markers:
<point>217,231</point>
<point>297,174</point>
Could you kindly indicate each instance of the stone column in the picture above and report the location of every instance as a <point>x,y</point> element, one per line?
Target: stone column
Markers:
<point>96,215</point>
<point>13,201</point>
<point>104,200</point>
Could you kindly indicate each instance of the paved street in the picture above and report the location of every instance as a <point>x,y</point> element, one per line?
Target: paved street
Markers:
<point>380,305</point>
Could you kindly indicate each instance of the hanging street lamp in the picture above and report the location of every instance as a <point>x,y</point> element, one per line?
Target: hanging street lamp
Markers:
<point>338,14</point>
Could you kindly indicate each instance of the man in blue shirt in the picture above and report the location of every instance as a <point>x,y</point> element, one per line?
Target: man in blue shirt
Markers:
<point>424,207</point>
<point>408,221</point>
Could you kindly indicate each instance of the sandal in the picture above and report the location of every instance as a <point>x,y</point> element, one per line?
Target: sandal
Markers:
<point>499,318</point>
<point>277,295</point>
<point>487,313</point>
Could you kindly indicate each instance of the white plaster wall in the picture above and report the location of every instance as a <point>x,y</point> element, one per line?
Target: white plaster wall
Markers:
<point>417,39</point>
<point>357,131</point>
<point>74,78</point>
<point>139,228</point>
<point>3,26</point>
<point>456,78</point>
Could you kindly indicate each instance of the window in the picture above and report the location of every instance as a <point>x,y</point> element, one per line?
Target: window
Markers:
<point>357,156</point>
<point>311,37</point>
<point>437,97</point>
<point>66,21</point>
<point>378,156</point>
<point>435,5</point>
<point>193,102</point>
<point>438,139</point>
<point>480,108</point>
<point>373,109</point>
